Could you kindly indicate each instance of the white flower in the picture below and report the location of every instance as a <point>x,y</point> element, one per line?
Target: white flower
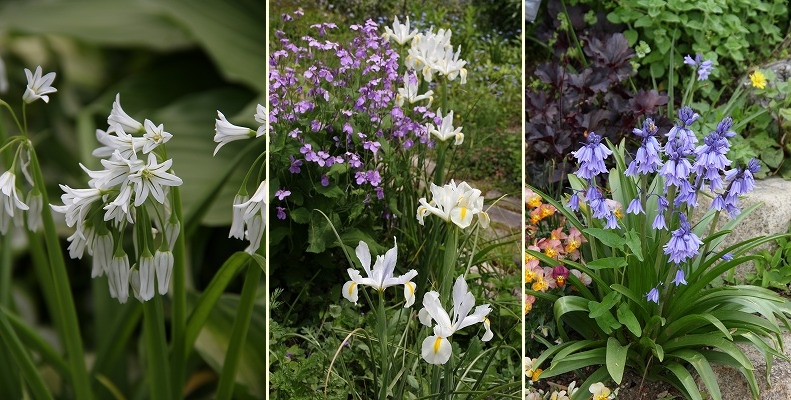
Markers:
<point>118,209</point>
<point>225,132</point>
<point>400,32</point>
<point>9,200</point>
<point>102,254</point>
<point>457,204</point>
<point>37,86</point>
<point>172,229</point>
<point>118,277</point>
<point>154,136</point>
<point>262,117</point>
<point>76,204</point>
<point>237,224</point>
<point>445,131</point>
<point>599,391</point>
<point>143,278</point>
<point>35,203</point>
<point>436,349</point>
<point>381,276</point>
<point>119,117</point>
<point>409,91</point>
<point>253,216</point>
<point>163,264</point>
<point>152,178</point>
<point>451,66</point>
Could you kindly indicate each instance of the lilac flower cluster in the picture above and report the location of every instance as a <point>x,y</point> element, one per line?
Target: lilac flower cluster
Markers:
<point>338,112</point>
<point>704,66</point>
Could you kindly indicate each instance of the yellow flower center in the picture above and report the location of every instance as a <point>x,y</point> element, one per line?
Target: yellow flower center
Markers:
<point>411,287</point>
<point>534,201</point>
<point>540,285</point>
<point>534,219</point>
<point>351,288</point>
<point>437,344</point>
<point>550,252</point>
<point>529,275</point>
<point>463,212</point>
<point>572,245</point>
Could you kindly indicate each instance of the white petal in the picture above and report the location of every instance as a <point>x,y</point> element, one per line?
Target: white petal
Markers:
<point>163,264</point>
<point>349,291</point>
<point>436,350</point>
<point>409,294</point>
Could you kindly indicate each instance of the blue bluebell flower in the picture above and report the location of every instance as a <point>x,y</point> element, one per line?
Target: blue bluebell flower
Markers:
<point>591,157</point>
<point>679,279</point>
<point>653,295</point>
<point>647,159</point>
<point>704,66</point>
<point>635,207</point>
<point>684,244</point>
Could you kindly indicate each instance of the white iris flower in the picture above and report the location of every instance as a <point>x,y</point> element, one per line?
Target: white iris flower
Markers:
<point>381,276</point>
<point>436,349</point>
<point>452,203</point>
<point>400,32</point>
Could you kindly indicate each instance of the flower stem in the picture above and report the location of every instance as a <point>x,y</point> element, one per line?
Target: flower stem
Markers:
<point>449,260</point>
<point>156,349</point>
<point>381,325</point>
<point>178,318</point>
<point>239,334</point>
<point>70,327</point>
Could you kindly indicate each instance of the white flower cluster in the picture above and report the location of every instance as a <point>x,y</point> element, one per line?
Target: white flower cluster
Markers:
<point>12,208</point>
<point>127,191</point>
<point>452,203</point>
<point>249,213</point>
<point>430,53</point>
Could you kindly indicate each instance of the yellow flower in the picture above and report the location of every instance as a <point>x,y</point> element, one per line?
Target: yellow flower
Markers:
<point>535,218</point>
<point>528,307</point>
<point>529,275</point>
<point>550,252</point>
<point>534,201</point>
<point>572,245</point>
<point>539,285</point>
<point>758,79</point>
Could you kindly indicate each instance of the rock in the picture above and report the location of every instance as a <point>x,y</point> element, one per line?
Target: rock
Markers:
<point>771,217</point>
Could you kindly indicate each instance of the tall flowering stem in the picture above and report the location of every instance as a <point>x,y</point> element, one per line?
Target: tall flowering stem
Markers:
<point>70,327</point>
<point>178,319</point>
<point>156,349</point>
<point>384,360</point>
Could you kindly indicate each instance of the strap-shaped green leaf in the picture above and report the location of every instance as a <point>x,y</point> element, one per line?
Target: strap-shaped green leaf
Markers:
<point>703,367</point>
<point>685,379</point>
<point>607,263</point>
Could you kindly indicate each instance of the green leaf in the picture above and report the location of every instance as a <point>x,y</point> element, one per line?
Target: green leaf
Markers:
<point>598,309</point>
<point>606,263</point>
<point>616,359</point>
<point>644,21</point>
<point>686,380</point>
<point>606,237</point>
<point>627,317</point>
<point>300,215</point>
<point>233,33</point>
<point>699,362</point>
<point>104,22</point>
<point>772,156</point>
<point>657,349</point>
<point>634,243</point>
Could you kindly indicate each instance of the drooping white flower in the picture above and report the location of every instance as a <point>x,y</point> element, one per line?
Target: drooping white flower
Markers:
<point>163,263</point>
<point>446,131</point>
<point>38,86</point>
<point>118,277</point>
<point>143,278</point>
<point>76,204</point>
<point>436,349</point>
<point>410,90</point>
<point>452,203</point>
<point>153,178</point>
<point>262,117</point>
<point>237,224</point>
<point>253,216</point>
<point>172,230</point>
<point>9,196</point>
<point>400,32</point>
<point>380,277</point>
<point>226,132</point>
<point>35,202</point>
<point>103,247</point>
<point>119,117</point>
<point>154,136</point>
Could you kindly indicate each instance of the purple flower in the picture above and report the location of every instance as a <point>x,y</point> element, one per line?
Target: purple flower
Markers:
<point>704,67</point>
<point>711,154</point>
<point>679,279</point>
<point>325,181</point>
<point>295,164</point>
<point>683,244</point>
<point>676,170</point>
<point>653,295</point>
<point>591,157</point>
<point>659,222</point>
<point>647,159</point>
<point>635,207</point>
<point>680,139</point>
<point>281,213</point>
<point>282,194</point>
<point>574,202</point>
<point>741,179</point>
<point>727,256</point>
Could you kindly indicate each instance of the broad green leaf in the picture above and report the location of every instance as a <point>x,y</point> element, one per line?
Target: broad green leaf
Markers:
<point>627,317</point>
<point>576,361</point>
<point>657,349</point>
<point>606,237</point>
<point>633,241</point>
<point>607,323</point>
<point>606,263</point>
<point>233,33</point>
<point>598,309</point>
<point>616,359</point>
<point>130,23</point>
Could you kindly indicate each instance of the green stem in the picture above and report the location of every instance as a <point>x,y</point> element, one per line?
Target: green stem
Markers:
<point>156,349</point>
<point>449,261</point>
<point>381,325</point>
<point>70,328</point>
<point>240,326</point>
<point>179,296</point>
<point>6,269</point>
<point>448,384</point>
